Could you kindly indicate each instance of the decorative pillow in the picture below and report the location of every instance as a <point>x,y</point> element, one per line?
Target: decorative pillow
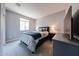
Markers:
<point>44,29</point>
<point>40,29</point>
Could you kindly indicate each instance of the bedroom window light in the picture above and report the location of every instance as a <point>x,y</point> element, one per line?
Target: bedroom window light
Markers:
<point>24,24</point>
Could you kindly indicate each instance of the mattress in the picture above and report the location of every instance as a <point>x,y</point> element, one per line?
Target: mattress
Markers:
<point>29,40</point>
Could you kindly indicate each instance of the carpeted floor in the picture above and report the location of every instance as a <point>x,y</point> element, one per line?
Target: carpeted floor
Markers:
<point>17,49</point>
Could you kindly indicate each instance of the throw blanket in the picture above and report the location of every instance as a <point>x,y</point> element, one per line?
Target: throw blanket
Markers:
<point>35,35</point>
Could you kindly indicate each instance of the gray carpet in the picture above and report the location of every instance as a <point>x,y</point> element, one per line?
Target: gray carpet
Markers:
<point>1,49</point>
<point>18,49</point>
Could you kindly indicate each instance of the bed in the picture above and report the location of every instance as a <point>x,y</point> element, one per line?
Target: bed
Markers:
<point>31,39</point>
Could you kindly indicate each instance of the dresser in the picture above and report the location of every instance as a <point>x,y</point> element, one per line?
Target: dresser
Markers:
<point>64,47</point>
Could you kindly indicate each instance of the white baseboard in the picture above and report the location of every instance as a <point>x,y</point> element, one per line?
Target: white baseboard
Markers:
<point>11,40</point>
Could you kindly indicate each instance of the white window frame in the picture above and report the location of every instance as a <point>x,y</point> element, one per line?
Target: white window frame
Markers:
<point>25,26</point>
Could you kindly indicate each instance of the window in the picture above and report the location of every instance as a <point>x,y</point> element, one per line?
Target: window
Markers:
<point>24,24</point>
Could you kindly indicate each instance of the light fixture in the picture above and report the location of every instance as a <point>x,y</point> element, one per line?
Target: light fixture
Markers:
<point>53,29</point>
<point>18,4</point>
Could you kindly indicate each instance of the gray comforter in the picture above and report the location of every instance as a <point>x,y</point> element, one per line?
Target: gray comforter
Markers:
<point>35,35</point>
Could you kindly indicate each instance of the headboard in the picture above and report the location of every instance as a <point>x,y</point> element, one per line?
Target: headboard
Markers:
<point>44,28</point>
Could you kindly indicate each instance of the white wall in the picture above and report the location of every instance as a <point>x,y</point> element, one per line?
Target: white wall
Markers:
<point>54,20</point>
<point>2,23</point>
<point>67,23</point>
<point>13,25</point>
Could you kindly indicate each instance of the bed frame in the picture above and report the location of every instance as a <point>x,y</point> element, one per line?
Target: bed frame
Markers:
<point>43,28</point>
<point>44,39</point>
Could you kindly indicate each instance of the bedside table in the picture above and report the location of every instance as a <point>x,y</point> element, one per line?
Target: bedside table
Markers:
<point>51,35</point>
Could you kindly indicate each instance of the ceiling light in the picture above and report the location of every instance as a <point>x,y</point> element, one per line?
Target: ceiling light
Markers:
<point>18,4</point>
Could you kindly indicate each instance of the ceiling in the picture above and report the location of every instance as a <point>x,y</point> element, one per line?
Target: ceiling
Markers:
<point>36,10</point>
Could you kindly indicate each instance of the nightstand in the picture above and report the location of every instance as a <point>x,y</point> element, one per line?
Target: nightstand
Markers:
<point>51,35</point>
